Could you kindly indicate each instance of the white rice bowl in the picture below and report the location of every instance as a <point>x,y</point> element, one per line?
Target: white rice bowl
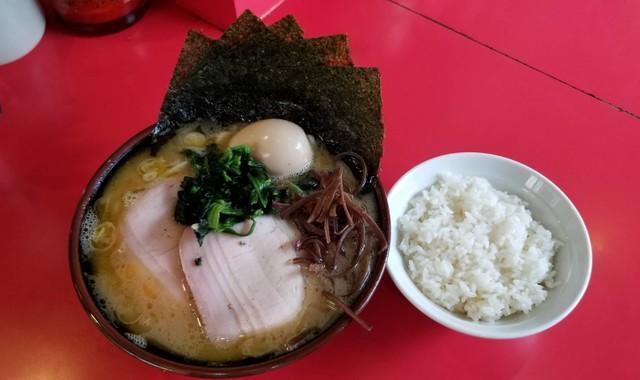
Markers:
<point>475,250</point>
<point>548,204</point>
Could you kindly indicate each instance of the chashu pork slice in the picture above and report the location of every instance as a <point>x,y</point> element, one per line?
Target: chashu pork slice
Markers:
<point>244,285</point>
<point>151,234</point>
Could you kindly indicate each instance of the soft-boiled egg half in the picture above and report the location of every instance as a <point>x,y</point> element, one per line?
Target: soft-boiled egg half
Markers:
<point>282,146</point>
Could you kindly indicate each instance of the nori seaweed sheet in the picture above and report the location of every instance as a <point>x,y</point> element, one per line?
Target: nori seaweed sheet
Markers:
<point>194,49</point>
<point>287,28</point>
<point>253,72</point>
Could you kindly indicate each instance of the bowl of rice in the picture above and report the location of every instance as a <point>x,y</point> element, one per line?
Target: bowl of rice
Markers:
<point>487,246</point>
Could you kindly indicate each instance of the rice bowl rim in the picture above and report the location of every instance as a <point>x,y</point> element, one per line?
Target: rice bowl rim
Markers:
<point>398,273</point>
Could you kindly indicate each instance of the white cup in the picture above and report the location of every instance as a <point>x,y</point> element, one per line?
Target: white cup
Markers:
<point>21,28</point>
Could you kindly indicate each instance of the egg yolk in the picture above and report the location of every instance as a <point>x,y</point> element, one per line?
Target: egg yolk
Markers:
<point>282,146</point>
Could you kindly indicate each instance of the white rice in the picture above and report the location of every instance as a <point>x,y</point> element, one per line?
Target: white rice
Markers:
<point>476,250</point>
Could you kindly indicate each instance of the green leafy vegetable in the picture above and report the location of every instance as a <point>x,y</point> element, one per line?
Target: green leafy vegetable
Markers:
<point>229,187</point>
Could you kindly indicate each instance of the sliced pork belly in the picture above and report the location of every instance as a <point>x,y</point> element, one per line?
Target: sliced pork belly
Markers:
<point>244,285</point>
<point>151,234</point>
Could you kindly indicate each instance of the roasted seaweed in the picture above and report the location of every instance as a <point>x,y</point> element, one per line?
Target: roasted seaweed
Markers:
<point>253,72</point>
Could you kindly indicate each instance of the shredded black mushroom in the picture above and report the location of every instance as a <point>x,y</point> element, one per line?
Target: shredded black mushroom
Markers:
<point>333,223</point>
<point>340,304</point>
<point>362,166</point>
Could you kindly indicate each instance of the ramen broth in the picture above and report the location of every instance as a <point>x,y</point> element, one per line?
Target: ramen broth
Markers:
<point>135,300</point>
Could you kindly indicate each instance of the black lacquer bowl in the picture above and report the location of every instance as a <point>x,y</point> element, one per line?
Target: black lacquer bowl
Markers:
<point>80,270</point>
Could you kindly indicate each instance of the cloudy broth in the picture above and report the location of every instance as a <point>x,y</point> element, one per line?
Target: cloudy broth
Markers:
<point>135,300</point>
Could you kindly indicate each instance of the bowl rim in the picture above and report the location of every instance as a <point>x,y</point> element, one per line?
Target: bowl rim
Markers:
<point>95,185</point>
<point>451,321</point>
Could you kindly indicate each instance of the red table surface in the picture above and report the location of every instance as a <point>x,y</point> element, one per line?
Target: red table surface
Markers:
<point>590,44</point>
<point>73,100</point>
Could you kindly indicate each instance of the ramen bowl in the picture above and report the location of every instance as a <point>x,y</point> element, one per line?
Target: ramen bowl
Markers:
<point>81,271</point>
